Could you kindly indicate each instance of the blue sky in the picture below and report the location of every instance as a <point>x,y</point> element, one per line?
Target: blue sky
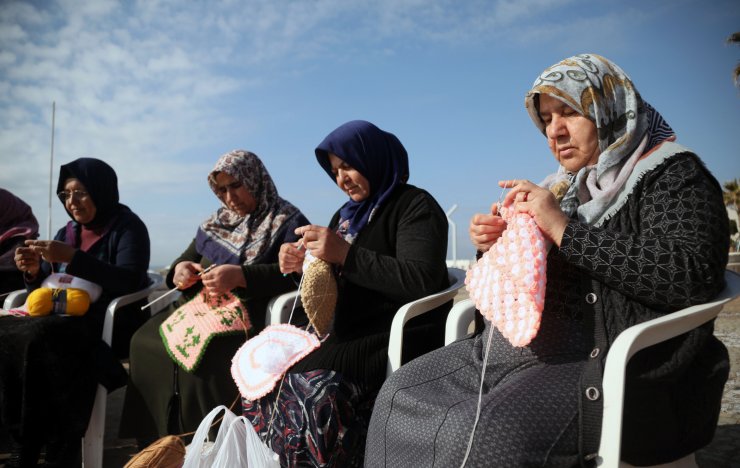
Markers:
<point>160,89</point>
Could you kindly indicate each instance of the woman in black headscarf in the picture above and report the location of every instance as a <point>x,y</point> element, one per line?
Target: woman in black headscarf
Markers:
<point>50,366</point>
<point>387,245</point>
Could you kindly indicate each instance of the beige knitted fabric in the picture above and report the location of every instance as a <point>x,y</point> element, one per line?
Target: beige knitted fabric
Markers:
<point>319,295</point>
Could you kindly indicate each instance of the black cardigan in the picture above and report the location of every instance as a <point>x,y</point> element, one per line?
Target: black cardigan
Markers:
<point>397,258</point>
<point>664,250</point>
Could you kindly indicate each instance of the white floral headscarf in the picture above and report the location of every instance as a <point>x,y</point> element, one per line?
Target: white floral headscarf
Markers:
<point>627,127</point>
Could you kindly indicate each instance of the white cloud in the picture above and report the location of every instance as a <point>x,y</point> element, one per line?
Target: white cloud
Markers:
<point>153,83</point>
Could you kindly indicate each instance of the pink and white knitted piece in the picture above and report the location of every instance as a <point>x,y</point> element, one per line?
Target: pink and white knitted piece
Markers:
<point>507,283</point>
<point>261,362</point>
<point>189,329</point>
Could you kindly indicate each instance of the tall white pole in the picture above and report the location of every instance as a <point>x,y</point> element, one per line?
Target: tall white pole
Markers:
<point>51,167</point>
<point>454,233</point>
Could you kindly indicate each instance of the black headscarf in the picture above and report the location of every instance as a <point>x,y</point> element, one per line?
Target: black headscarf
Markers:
<point>101,183</point>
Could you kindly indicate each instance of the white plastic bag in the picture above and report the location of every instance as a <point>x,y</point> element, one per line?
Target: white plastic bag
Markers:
<point>201,452</point>
<point>236,445</point>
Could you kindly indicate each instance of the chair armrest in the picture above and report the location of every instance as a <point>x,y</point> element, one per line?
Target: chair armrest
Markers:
<point>280,307</point>
<point>459,319</point>
<point>155,280</point>
<point>638,337</point>
<point>15,299</point>
<point>416,308</point>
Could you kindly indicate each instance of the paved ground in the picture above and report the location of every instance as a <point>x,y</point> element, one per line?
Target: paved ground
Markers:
<point>723,452</point>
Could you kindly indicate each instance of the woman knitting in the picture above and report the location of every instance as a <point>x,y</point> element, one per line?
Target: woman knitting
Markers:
<point>234,251</point>
<point>640,232</point>
<point>387,245</point>
<point>50,365</point>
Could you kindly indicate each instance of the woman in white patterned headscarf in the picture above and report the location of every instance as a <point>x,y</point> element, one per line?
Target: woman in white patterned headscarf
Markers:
<point>240,242</point>
<point>640,231</point>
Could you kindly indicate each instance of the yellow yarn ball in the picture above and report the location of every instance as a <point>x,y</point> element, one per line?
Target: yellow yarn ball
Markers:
<point>78,301</point>
<point>40,302</point>
<point>71,301</point>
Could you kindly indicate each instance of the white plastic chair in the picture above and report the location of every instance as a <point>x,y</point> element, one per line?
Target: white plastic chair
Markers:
<point>92,442</point>
<point>633,340</point>
<point>279,308</point>
<point>628,343</point>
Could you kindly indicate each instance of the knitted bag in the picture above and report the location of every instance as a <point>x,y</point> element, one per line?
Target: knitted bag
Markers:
<point>319,293</point>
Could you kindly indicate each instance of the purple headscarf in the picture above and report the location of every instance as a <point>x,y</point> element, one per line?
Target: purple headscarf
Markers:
<point>378,155</point>
<point>16,221</point>
<point>16,218</point>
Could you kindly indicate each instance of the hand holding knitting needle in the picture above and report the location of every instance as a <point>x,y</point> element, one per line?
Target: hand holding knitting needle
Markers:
<point>187,273</point>
<point>223,278</point>
<point>290,257</point>
<point>190,273</point>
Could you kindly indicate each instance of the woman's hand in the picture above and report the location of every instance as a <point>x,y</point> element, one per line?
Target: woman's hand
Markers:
<point>27,261</point>
<point>324,243</point>
<point>223,278</point>
<point>52,251</point>
<point>485,229</point>
<point>290,257</point>
<point>540,204</point>
<point>186,274</point>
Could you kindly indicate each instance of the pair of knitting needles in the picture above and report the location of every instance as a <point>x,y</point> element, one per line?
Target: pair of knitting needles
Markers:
<point>211,267</point>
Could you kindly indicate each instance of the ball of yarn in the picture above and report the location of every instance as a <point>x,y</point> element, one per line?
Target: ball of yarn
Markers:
<point>78,301</point>
<point>39,302</point>
<point>70,301</point>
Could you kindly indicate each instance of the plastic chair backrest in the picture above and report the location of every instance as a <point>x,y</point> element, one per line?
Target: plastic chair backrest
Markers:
<point>92,442</point>
<point>634,339</point>
<point>416,308</point>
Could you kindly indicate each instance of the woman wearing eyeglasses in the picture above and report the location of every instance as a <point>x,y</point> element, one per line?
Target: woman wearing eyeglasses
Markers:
<point>50,366</point>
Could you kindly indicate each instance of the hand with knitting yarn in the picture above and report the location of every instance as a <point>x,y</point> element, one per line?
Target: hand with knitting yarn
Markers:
<point>187,273</point>
<point>223,278</point>
<point>290,257</point>
<point>540,204</point>
<point>27,261</point>
<point>324,243</point>
<point>486,228</point>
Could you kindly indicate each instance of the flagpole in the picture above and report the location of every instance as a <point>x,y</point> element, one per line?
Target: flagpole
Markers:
<point>51,167</point>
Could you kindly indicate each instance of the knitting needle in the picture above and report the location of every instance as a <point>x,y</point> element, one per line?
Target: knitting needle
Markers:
<point>175,289</point>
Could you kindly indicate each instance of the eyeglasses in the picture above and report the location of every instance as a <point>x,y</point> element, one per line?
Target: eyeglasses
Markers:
<point>65,195</point>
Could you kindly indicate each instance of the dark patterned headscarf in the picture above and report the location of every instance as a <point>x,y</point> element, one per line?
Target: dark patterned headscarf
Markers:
<point>100,182</point>
<point>627,127</point>
<point>227,238</point>
<point>378,155</point>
